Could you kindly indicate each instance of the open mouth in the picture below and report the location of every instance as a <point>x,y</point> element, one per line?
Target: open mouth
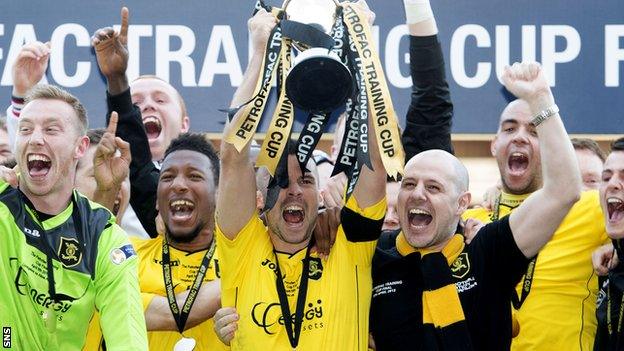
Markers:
<point>615,209</point>
<point>518,163</point>
<point>293,214</point>
<point>181,209</point>
<point>153,127</point>
<point>419,218</point>
<point>38,165</point>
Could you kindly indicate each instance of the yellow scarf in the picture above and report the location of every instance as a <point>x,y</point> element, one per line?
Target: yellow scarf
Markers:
<point>441,307</point>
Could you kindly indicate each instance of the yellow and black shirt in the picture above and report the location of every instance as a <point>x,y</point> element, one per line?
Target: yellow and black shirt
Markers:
<point>484,275</point>
<point>559,311</point>
<point>184,268</point>
<point>339,288</point>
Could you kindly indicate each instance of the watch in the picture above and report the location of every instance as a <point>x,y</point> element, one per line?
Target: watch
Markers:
<point>544,115</point>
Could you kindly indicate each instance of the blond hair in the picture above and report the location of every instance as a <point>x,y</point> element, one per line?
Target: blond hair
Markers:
<point>51,92</point>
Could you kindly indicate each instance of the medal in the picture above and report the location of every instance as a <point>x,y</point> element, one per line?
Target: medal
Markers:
<point>185,344</point>
<point>49,319</point>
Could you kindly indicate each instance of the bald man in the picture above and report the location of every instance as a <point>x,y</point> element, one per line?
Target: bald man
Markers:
<point>433,292</point>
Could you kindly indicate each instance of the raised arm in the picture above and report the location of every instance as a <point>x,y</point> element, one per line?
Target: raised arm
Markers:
<point>112,57</point>
<point>28,70</point>
<point>534,222</point>
<point>371,186</point>
<point>430,114</point>
<point>236,201</point>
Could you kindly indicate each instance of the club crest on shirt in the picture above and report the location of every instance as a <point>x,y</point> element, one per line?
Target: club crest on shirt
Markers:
<point>316,268</point>
<point>461,266</point>
<point>69,252</point>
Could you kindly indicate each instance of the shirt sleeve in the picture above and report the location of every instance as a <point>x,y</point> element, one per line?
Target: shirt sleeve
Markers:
<point>503,260</point>
<point>236,255</point>
<point>362,224</point>
<point>143,173</point>
<point>360,228</point>
<point>430,114</point>
<point>118,298</point>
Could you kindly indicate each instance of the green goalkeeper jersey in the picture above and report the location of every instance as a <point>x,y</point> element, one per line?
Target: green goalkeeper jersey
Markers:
<point>94,267</point>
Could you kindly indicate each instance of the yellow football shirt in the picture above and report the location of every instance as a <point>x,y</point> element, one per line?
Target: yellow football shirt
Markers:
<point>184,268</point>
<point>338,298</point>
<point>559,312</point>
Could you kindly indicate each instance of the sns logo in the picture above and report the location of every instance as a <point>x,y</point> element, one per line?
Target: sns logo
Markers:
<point>269,317</point>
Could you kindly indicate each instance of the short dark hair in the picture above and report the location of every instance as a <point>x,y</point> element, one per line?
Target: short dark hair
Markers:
<point>95,135</point>
<point>199,143</point>
<point>589,144</point>
<point>618,145</point>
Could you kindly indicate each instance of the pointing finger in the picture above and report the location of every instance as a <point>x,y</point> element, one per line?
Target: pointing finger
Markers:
<point>112,124</point>
<point>123,33</point>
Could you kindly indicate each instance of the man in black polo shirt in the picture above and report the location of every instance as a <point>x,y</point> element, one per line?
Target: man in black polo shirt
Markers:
<point>432,292</point>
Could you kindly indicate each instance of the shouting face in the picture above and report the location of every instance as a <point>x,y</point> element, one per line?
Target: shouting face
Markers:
<point>292,218</point>
<point>432,197</point>
<point>516,149</point>
<point>48,146</point>
<point>612,194</point>
<point>162,111</point>
<point>186,195</point>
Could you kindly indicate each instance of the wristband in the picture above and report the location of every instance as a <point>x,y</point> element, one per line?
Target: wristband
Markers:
<point>544,115</point>
<point>417,11</point>
<point>17,99</point>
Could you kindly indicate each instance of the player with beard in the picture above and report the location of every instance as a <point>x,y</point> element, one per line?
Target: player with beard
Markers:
<point>268,271</point>
<point>433,292</point>
<point>63,256</point>
<point>609,311</point>
<point>555,309</point>
<point>186,199</point>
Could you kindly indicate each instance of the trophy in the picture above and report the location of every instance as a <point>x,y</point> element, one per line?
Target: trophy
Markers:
<point>323,58</point>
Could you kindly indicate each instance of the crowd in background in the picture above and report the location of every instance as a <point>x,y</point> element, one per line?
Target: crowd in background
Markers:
<point>142,235</point>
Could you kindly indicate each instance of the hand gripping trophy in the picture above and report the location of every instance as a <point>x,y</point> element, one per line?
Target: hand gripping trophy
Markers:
<point>323,57</point>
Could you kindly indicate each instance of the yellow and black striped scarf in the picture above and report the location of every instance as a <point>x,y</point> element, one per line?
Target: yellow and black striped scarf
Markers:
<point>443,316</point>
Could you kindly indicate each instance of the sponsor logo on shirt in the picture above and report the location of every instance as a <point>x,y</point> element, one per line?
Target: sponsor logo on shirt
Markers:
<point>461,266</point>
<point>314,272</point>
<point>173,263</point>
<point>268,316</point>
<point>32,232</point>
<point>69,252</point>
<point>23,287</point>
